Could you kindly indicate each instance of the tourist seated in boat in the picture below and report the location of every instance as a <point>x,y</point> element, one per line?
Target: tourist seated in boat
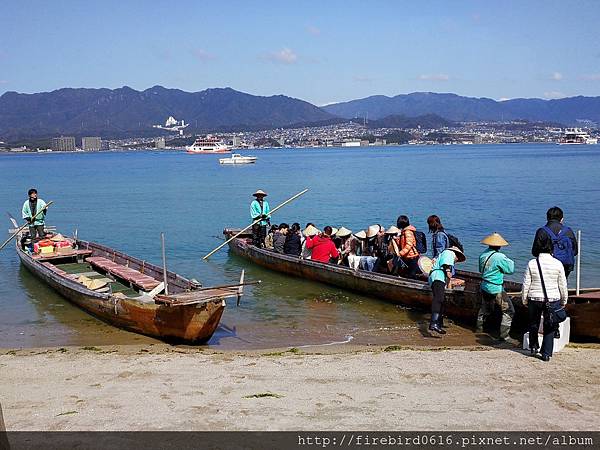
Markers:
<point>405,249</point>
<point>293,241</point>
<point>356,244</point>
<point>323,248</point>
<point>440,279</point>
<point>269,238</point>
<point>279,238</point>
<point>368,254</point>
<point>309,232</point>
<point>259,209</point>
<point>386,262</point>
<point>439,238</point>
<point>343,239</point>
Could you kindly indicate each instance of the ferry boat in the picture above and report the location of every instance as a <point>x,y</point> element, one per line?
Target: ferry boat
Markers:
<point>236,158</point>
<point>576,136</point>
<point>208,144</point>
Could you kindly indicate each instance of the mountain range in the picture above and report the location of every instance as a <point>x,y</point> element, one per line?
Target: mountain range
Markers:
<point>125,112</point>
<point>454,107</point>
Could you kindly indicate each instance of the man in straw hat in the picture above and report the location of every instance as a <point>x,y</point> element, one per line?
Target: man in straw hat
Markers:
<point>259,209</point>
<point>309,232</point>
<point>440,278</point>
<point>493,265</point>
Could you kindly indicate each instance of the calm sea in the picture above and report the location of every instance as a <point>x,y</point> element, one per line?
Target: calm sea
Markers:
<point>125,199</point>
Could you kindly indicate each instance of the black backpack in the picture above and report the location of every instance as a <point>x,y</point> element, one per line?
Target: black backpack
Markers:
<point>455,242</point>
<point>421,242</point>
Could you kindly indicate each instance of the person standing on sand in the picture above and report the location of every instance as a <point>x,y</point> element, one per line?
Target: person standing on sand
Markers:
<point>440,278</point>
<point>493,265</point>
<point>563,239</point>
<point>32,206</point>
<point>259,209</point>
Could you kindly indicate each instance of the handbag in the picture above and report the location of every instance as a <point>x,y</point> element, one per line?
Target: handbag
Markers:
<point>552,317</point>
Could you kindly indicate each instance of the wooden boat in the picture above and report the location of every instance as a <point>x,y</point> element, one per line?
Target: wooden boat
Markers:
<point>461,303</point>
<point>126,292</point>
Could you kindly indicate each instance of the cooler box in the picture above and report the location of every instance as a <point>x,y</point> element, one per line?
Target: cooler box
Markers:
<point>559,344</point>
<point>65,250</point>
<point>47,249</point>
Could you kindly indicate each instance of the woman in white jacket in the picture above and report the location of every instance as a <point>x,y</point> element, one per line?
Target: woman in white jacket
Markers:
<point>556,294</point>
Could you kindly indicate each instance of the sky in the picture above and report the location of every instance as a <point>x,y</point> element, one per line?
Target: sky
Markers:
<point>319,51</point>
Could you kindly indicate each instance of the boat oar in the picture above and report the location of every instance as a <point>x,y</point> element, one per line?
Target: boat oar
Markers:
<point>24,226</point>
<point>254,223</point>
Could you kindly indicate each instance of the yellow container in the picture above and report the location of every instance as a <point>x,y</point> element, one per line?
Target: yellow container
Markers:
<point>47,249</point>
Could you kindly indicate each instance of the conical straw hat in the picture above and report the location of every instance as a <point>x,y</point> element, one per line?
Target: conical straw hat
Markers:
<point>334,230</point>
<point>96,284</point>
<point>260,192</point>
<point>495,240</point>
<point>425,264</point>
<point>361,234</point>
<point>393,230</point>
<point>311,231</point>
<point>57,238</point>
<point>343,232</point>
<point>459,253</point>
<point>373,230</point>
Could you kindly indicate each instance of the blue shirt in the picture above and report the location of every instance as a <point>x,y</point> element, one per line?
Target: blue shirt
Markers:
<point>493,265</point>
<point>439,243</point>
<point>438,273</point>
<point>256,211</point>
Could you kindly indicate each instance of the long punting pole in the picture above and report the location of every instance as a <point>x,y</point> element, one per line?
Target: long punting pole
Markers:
<point>164,258</point>
<point>23,227</point>
<point>255,222</point>
<point>578,261</point>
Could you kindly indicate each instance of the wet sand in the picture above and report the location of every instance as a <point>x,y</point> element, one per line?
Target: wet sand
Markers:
<point>156,387</point>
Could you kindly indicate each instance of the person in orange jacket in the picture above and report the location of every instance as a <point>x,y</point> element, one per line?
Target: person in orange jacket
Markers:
<point>407,248</point>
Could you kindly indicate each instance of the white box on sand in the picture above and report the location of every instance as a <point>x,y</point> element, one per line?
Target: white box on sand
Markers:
<point>559,344</point>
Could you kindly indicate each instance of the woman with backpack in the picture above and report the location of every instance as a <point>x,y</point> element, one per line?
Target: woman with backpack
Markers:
<point>544,291</point>
<point>439,238</point>
<point>406,248</point>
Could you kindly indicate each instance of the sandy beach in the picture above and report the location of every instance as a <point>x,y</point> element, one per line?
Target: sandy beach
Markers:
<point>157,387</point>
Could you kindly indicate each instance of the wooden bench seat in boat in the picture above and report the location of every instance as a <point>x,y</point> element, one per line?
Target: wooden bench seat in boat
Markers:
<point>145,282</point>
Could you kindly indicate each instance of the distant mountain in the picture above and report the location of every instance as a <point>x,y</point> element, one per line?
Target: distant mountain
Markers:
<point>431,121</point>
<point>457,108</point>
<point>125,112</point>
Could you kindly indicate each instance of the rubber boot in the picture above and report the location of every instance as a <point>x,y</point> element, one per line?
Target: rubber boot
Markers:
<point>434,324</point>
<point>505,337</point>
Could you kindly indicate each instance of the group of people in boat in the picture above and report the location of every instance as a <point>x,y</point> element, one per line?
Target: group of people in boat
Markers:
<point>400,250</point>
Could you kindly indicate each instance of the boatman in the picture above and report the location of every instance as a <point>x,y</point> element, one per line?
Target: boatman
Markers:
<point>32,206</point>
<point>259,209</point>
<point>493,265</point>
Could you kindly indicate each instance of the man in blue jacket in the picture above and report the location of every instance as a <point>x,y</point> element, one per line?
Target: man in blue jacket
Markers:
<point>32,206</point>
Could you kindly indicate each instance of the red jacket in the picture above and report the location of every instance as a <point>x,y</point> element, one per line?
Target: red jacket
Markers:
<point>323,248</point>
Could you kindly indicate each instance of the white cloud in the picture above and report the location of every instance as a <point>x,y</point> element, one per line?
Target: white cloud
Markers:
<point>434,77</point>
<point>556,76</point>
<point>202,55</point>
<point>554,95</point>
<point>591,77</point>
<point>311,29</point>
<point>283,56</point>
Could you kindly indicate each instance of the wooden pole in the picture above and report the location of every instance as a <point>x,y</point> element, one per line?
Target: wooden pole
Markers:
<point>578,262</point>
<point>255,222</point>
<point>23,227</point>
<point>164,258</point>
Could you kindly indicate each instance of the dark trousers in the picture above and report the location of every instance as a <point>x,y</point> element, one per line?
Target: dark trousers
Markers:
<point>536,310</point>
<point>568,269</point>
<point>438,288</point>
<point>37,229</point>
<point>412,268</point>
<point>259,233</point>
<point>489,303</point>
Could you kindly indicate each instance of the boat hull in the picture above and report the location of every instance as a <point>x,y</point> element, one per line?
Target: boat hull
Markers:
<point>460,304</point>
<point>193,323</point>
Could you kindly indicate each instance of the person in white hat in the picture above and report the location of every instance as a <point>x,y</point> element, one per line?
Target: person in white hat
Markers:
<point>259,209</point>
<point>309,231</point>
<point>493,265</point>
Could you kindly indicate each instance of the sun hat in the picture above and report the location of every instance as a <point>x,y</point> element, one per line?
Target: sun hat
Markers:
<point>57,238</point>
<point>259,193</point>
<point>392,230</point>
<point>361,234</point>
<point>334,230</point>
<point>495,240</point>
<point>310,231</point>
<point>373,230</point>
<point>343,232</point>
<point>459,253</point>
<point>425,264</point>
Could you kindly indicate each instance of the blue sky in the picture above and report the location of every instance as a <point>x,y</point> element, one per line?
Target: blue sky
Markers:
<point>319,51</point>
